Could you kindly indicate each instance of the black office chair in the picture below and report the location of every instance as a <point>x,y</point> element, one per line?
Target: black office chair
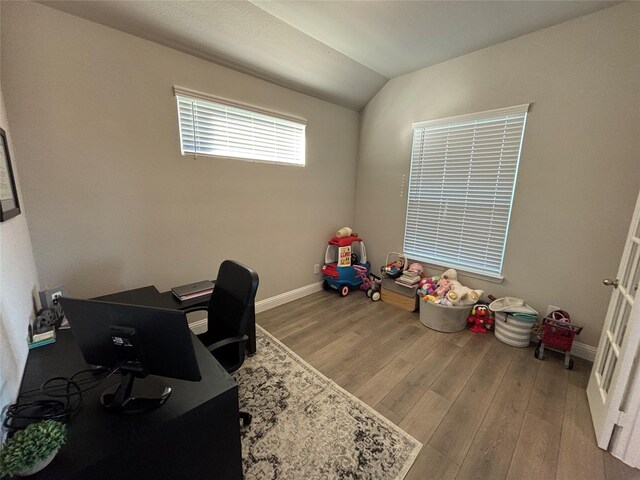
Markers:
<point>231,305</point>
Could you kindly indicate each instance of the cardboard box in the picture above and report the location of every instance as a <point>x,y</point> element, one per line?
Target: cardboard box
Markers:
<point>405,302</point>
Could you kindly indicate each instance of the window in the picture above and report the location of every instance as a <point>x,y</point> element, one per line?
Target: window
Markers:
<point>461,184</point>
<point>211,126</point>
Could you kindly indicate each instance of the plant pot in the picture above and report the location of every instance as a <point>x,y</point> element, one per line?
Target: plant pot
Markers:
<point>38,466</point>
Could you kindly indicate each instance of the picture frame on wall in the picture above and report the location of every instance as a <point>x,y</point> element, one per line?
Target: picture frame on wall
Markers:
<point>9,204</point>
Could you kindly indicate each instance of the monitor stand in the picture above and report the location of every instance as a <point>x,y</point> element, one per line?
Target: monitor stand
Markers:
<point>148,395</point>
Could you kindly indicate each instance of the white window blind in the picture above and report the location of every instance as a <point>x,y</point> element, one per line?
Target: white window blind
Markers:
<point>210,126</point>
<point>461,185</point>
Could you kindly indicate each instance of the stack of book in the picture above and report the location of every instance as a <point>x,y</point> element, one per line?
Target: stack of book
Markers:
<point>409,279</point>
<point>40,339</point>
<point>193,290</point>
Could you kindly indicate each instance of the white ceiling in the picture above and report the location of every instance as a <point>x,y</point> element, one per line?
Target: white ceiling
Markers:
<point>340,51</point>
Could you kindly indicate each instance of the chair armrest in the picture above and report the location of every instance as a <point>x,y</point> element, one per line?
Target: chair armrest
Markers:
<point>227,341</point>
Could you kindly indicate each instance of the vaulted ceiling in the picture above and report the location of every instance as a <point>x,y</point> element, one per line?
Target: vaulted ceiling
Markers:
<point>339,51</point>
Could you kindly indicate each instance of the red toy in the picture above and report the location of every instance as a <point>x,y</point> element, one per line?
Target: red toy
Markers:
<point>481,318</point>
<point>557,334</point>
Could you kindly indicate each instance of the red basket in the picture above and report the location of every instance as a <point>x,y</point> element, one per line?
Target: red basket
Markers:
<point>559,335</point>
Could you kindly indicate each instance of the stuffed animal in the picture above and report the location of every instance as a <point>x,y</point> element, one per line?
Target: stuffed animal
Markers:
<point>476,295</point>
<point>481,318</point>
<point>416,267</point>
<point>345,232</point>
<point>461,295</point>
<point>444,286</point>
<point>450,274</point>
<point>458,293</point>
<point>430,298</point>
<point>426,286</point>
<point>393,269</point>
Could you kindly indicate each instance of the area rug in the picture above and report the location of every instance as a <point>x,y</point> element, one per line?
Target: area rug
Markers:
<point>306,427</point>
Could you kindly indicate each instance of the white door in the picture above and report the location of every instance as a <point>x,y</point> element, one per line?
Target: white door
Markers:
<point>619,342</point>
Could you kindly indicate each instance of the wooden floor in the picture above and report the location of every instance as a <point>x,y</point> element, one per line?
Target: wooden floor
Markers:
<point>482,409</point>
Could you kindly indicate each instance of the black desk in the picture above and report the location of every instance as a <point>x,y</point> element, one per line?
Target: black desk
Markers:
<point>150,296</point>
<point>194,435</point>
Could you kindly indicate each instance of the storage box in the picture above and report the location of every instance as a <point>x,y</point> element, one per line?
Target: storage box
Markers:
<point>443,318</point>
<point>391,285</point>
<point>513,331</point>
<point>409,303</point>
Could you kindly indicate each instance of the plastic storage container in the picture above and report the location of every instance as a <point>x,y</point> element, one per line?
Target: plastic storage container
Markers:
<point>443,318</point>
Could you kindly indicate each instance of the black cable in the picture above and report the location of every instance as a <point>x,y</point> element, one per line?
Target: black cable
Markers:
<point>65,398</point>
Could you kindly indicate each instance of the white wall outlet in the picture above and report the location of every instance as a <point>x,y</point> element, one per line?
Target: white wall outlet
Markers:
<point>49,296</point>
<point>316,268</point>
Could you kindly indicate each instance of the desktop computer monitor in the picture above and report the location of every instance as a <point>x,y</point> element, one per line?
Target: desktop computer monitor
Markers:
<point>138,341</point>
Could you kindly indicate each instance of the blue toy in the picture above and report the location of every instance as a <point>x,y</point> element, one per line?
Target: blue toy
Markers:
<point>345,264</point>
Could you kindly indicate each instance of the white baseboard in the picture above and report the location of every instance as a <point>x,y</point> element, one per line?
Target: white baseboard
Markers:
<point>583,350</point>
<point>578,349</point>
<point>286,297</point>
<point>200,326</point>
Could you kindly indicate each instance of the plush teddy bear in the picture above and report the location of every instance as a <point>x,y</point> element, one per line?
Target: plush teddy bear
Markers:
<point>457,293</point>
<point>461,295</point>
<point>450,274</point>
<point>345,232</point>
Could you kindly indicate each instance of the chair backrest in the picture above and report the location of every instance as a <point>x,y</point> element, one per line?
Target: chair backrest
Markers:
<point>230,308</point>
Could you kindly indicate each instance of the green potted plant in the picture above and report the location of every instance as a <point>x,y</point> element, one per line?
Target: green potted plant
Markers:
<point>30,450</point>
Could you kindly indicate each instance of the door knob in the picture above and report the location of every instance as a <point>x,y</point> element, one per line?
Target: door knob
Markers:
<point>613,283</point>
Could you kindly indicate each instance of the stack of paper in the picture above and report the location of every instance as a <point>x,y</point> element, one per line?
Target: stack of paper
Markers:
<point>44,338</point>
<point>409,279</point>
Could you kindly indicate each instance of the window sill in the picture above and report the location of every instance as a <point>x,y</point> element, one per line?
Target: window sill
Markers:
<point>195,156</point>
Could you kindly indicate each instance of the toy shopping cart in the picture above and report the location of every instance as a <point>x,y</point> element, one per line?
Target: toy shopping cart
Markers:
<point>557,334</point>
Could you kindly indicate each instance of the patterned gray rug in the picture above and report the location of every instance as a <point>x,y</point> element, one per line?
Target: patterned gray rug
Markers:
<point>306,427</point>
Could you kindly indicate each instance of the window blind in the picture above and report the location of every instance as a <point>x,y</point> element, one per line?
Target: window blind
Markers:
<point>213,127</point>
<point>461,185</point>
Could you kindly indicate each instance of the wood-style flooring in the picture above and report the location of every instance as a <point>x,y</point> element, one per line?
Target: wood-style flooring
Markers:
<point>481,408</point>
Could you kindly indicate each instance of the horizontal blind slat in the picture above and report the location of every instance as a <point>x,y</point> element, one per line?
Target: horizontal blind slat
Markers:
<point>220,129</point>
<point>460,190</point>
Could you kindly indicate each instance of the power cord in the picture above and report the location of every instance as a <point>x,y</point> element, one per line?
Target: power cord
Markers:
<point>65,397</point>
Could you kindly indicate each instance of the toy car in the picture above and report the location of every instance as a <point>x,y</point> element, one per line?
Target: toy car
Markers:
<point>341,257</point>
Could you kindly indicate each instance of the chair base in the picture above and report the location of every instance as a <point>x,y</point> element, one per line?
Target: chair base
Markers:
<point>246,418</point>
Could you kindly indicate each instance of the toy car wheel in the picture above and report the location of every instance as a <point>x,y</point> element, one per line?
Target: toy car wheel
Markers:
<point>375,296</point>
<point>369,292</point>
<point>325,285</point>
<point>537,354</point>
<point>570,365</point>
<point>344,290</point>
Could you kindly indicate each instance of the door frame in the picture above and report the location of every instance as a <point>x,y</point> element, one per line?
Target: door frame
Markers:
<point>625,441</point>
<point>609,414</point>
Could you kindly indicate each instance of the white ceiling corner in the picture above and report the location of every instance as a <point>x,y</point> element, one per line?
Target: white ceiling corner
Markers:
<point>339,51</point>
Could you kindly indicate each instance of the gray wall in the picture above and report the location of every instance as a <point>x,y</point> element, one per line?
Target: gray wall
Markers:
<point>18,280</point>
<point>580,167</point>
<point>114,205</point>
